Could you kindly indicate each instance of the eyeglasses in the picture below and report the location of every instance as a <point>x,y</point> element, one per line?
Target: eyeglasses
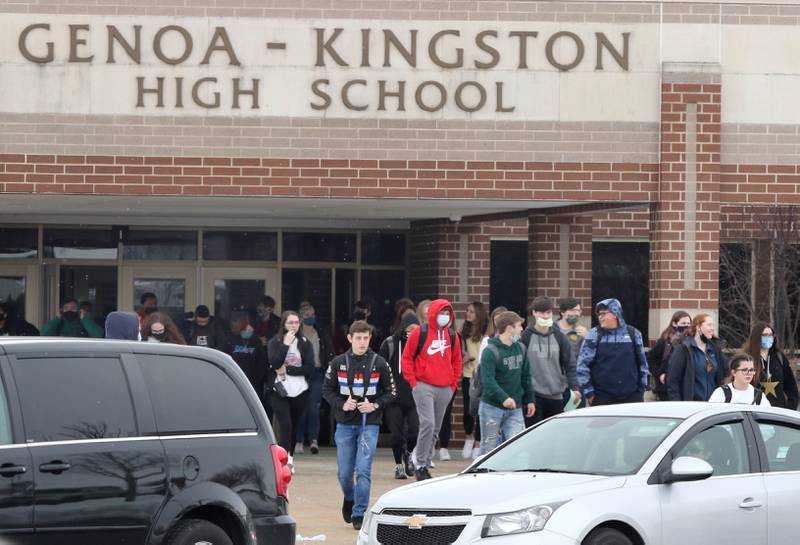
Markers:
<point>747,371</point>
<point>293,323</point>
<point>602,313</point>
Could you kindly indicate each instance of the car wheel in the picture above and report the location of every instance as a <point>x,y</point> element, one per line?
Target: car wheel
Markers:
<point>198,532</point>
<point>607,536</point>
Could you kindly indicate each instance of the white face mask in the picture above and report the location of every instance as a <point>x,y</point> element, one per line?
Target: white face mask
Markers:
<point>443,320</point>
<point>541,322</point>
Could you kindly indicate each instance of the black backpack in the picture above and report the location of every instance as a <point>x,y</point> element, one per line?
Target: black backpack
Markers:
<point>423,336</point>
<point>726,389</point>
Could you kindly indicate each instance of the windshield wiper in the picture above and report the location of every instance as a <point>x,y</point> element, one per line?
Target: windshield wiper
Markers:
<point>550,470</point>
<point>480,470</point>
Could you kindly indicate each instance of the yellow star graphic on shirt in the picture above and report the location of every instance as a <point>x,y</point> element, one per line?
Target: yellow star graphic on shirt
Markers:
<point>769,387</point>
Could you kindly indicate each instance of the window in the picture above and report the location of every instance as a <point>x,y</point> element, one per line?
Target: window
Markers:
<point>191,396</point>
<point>18,243</point>
<point>240,246</point>
<point>80,243</point>
<point>383,249</point>
<point>508,275</point>
<point>74,398</point>
<point>12,293</point>
<point>170,292</point>
<point>161,244</point>
<point>5,418</point>
<point>783,446</point>
<point>723,446</point>
<point>620,270</point>
<point>319,247</point>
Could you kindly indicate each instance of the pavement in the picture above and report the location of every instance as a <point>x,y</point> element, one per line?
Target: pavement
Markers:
<point>315,499</point>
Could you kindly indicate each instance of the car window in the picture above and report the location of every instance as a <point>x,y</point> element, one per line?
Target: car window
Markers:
<point>603,445</point>
<point>191,395</point>
<point>723,446</point>
<point>5,417</point>
<point>66,399</point>
<point>783,446</point>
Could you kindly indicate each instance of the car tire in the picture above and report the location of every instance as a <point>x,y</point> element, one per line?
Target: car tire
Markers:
<point>607,536</point>
<point>196,532</point>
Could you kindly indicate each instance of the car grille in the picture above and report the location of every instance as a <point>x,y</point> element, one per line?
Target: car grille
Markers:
<point>390,534</point>
<point>427,512</point>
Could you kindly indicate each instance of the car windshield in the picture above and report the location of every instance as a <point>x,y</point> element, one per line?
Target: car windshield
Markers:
<point>596,445</point>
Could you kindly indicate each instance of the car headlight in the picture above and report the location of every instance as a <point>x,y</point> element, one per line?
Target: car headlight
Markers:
<point>365,523</point>
<point>531,519</point>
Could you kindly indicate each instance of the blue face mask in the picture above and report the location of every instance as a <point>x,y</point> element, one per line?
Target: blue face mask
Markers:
<point>247,334</point>
<point>515,338</point>
<point>443,320</point>
<point>310,321</point>
<point>767,342</point>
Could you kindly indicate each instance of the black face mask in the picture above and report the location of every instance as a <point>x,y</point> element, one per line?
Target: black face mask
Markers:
<point>159,336</point>
<point>359,315</point>
<point>705,339</point>
<point>150,310</point>
<point>70,315</point>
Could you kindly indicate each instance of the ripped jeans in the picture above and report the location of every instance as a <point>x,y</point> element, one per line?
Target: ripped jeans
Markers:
<point>498,425</point>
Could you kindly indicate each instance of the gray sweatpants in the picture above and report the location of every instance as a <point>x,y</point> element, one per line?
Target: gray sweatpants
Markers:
<point>432,402</point>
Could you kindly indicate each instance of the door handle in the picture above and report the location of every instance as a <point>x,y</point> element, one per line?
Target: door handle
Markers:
<point>750,503</point>
<point>9,470</point>
<point>56,466</point>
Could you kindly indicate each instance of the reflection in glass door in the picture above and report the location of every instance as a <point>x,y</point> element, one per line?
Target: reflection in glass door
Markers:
<point>170,293</point>
<point>12,295</point>
<point>96,285</point>
<point>175,288</point>
<point>235,298</point>
<point>313,285</point>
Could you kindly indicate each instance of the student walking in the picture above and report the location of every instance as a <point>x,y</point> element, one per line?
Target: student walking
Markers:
<point>472,333</point>
<point>698,366</point>
<point>658,357</point>
<point>740,389</point>
<point>358,386</point>
<point>773,373</point>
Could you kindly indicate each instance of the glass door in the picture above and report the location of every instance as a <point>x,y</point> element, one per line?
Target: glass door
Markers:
<point>19,288</point>
<point>232,293</point>
<point>175,287</point>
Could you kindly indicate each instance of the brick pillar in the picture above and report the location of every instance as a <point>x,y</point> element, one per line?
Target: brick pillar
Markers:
<point>560,257</point>
<point>685,218</point>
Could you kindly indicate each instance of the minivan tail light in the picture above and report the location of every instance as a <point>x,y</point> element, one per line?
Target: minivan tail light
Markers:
<point>283,475</point>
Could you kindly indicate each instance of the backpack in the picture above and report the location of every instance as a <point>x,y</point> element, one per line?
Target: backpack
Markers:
<point>726,389</point>
<point>389,343</point>
<point>475,384</point>
<point>423,336</point>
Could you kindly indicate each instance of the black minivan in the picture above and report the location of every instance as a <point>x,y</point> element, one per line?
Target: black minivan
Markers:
<point>114,442</point>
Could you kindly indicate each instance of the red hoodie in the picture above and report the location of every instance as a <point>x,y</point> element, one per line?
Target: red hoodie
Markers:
<point>439,361</point>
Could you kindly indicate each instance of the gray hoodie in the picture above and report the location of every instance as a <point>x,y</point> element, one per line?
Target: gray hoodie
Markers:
<point>550,362</point>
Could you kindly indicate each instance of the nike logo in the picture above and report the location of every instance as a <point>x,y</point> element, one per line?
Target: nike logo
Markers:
<point>437,346</point>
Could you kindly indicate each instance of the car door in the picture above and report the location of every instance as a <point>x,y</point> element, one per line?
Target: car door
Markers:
<point>16,477</point>
<point>95,480</point>
<point>779,444</point>
<point>728,507</point>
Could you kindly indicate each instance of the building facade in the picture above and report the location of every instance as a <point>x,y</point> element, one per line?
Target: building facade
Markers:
<point>215,150</point>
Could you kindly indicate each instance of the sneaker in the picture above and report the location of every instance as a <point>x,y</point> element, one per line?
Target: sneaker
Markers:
<point>358,522</point>
<point>314,447</point>
<point>476,453</point>
<point>414,461</point>
<point>347,511</point>
<point>400,472</point>
<point>423,474</point>
<point>408,464</point>
<point>298,448</point>
<point>469,444</point>
<point>444,455</point>
<point>290,463</point>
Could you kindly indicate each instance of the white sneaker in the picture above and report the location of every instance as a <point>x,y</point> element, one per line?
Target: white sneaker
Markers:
<point>414,458</point>
<point>476,453</point>
<point>444,455</point>
<point>298,448</point>
<point>469,444</point>
<point>290,463</point>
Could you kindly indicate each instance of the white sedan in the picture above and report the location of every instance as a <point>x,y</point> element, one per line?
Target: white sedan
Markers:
<point>645,473</point>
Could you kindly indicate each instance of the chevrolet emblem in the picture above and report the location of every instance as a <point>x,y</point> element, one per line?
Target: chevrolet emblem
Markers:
<point>416,522</point>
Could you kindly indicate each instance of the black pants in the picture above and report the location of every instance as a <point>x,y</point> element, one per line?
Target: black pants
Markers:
<point>600,399</point>
<point>288,412</point>
<point>470,423</point>
<point>447,425</point>
<point>403,424</point>
<point>545,408</point>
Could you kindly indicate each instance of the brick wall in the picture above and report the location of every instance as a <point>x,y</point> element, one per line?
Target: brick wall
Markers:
<point>633,224</point>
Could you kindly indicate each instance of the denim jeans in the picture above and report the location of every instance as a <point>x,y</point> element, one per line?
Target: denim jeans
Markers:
<point>308,428</point>
<point>353,461</point>
<point>498,425</point>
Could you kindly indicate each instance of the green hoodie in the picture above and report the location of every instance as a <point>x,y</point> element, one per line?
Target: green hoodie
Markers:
<point>510,377</point>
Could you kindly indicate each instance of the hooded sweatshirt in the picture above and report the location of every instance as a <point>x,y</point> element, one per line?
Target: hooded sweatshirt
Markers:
<point>122,325</point>
<point>611,363</point>
<point>510,376</point>
<point>72,327</point>
<point>550,360</point>
<point>392,350</point>
<point>439,361</point>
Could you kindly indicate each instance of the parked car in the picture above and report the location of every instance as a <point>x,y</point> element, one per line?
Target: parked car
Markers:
<point>113,442</point>
<point>645,473</point>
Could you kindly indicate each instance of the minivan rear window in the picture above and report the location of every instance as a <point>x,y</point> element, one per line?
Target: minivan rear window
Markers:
<point>194,396</point>
<point>70,399</point>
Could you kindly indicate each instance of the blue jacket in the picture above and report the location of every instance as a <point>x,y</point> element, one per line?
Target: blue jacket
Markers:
<point>615,368</point>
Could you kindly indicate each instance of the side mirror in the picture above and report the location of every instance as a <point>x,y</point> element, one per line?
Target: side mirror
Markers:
<point>688,468</point>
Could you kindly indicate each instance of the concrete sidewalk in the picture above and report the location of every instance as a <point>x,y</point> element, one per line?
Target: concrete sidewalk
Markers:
<point>315,499</point>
